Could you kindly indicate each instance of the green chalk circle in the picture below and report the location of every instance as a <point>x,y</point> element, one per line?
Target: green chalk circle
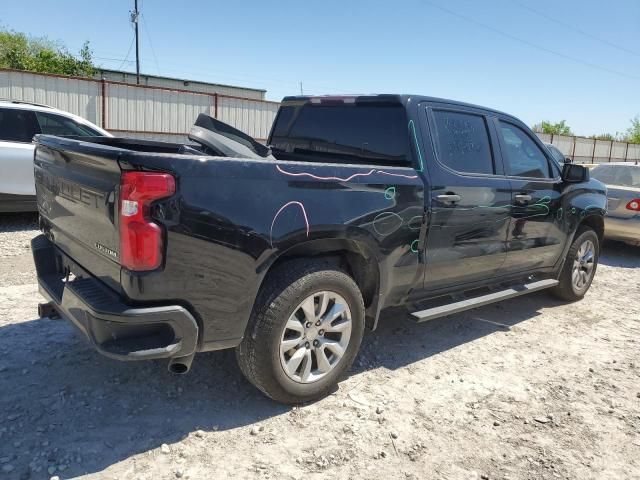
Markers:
<point>390,193</point>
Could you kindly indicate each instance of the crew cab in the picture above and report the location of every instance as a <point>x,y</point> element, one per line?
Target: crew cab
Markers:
<point>288,252</point>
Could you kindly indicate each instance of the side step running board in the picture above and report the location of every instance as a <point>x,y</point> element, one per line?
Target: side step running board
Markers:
<point>462,305</point>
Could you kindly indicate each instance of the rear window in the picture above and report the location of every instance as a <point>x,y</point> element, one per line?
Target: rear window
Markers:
<point>621,175</point>
<point>375,134</point>
<point>52,124</point>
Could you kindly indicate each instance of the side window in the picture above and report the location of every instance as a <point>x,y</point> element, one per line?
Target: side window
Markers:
<point>462,142</point>
<point>52,124</point>
<point>360,133</point>
<point>522,155</point>
<point>17,125</point>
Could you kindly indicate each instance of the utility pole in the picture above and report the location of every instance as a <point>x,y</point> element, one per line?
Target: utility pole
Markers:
<point>134,19</point>
<point>301,91</point>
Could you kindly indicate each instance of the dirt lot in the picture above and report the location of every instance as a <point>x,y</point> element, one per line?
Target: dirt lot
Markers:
<point>527,389</point>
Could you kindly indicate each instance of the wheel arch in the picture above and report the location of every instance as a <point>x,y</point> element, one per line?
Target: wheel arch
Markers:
<point>594,222</point>
<point>355,257</point>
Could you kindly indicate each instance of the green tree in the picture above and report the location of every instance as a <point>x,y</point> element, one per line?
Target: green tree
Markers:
<point>633,133</point>
<point>20,52</point>
<point>560,128</point>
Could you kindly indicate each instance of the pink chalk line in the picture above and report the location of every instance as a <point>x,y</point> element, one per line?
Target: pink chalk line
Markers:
<point>304,213</point>
<point>339,179</point>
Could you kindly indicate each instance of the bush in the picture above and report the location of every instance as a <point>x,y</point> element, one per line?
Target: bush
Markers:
<point>20,52</point>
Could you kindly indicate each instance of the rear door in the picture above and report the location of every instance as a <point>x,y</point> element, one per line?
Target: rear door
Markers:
<point>536,236</point>
<point>470,198</point>
<point>17,128</point>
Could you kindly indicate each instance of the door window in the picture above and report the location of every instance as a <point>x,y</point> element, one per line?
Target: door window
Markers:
<point>51,124</point>
<point>462,142</point>
<point>17,125</point>
<point>522,155</point>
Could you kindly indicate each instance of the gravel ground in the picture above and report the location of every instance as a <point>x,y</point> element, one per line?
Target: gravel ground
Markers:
<point>527,389</point>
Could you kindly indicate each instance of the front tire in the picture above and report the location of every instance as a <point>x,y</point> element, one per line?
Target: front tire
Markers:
<point>579,267</point>
<point>304,332</point>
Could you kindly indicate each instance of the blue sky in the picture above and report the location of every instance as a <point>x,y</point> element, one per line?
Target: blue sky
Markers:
<point>497,53</point>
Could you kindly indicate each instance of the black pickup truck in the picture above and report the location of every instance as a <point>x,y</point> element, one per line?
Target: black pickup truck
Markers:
<point>287,252</point>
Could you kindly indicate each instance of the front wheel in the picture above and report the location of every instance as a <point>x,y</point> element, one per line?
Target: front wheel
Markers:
<point>580,266</point>
<point>304,332</point>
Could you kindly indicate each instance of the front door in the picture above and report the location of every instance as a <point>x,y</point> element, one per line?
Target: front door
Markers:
<point>470,199</point>
<point>536,234</point>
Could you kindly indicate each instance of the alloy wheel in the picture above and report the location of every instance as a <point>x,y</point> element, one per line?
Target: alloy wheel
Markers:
<point>315,337</point>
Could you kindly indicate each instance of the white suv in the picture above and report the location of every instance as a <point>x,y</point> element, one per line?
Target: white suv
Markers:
<point>19,122</point>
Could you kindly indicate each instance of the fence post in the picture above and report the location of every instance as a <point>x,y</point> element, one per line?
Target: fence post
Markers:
<point>626,152</point>
<point>104,103</point>
<point>551,142</point>
<point>573,152</point>
<point>593,155</point>
<point>610,151</point>
<point>215,107</point>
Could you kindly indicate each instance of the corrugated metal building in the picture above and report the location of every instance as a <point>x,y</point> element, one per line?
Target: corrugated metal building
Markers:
<point>145,111</point>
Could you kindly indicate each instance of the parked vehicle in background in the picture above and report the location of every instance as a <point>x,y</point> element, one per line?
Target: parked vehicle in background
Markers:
<point>622,221</point>
<point>288,252</point>
<point>19,122</point>
<point>557,155</point>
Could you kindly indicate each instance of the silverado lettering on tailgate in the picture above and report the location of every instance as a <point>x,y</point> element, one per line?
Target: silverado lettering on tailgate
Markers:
<point>70,190</point>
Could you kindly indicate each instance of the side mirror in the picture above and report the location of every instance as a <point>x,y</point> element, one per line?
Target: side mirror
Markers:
<point>573,173</point>
<point>568,160</point>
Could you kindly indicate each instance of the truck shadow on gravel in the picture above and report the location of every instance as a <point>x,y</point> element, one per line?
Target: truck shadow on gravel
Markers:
<point>18,222</point>
<point>65,406</point>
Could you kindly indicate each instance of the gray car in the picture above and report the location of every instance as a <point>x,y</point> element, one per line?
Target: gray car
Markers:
<point>622,221</point>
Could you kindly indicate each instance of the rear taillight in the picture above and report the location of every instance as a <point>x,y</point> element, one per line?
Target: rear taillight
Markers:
<point>141,238</point>
<point>634,205</point>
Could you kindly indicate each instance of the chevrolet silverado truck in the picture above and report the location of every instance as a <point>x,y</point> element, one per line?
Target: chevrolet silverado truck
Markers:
<point>289,251</point>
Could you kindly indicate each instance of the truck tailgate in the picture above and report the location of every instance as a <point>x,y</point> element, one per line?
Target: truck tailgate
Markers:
<point>77,186</point>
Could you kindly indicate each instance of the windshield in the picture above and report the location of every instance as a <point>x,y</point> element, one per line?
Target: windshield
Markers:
<point>556,154</point>
<point>342,133</point>
<point>621,175</point>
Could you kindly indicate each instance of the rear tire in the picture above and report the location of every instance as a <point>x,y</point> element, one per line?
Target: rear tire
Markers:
<point>579,267</point>
<point>292,350</point>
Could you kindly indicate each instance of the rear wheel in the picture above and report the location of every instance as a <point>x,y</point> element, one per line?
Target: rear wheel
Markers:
<point>304,332</point>
<point>580,266</point>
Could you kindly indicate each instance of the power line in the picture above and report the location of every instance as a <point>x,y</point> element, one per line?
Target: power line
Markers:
<point>575,29</point>
<point>126,56</point>
<point>528,43</point>
<point>146,30</point>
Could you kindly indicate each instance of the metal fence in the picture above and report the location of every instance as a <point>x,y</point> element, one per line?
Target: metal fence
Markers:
<point>140,111</point>
<point>591,150</point>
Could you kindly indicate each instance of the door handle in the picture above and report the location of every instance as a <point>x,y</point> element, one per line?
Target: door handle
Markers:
<point>522,198</point>
<point>449,198</point>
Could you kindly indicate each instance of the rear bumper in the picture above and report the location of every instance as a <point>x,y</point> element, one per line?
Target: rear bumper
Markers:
<point>115,329</point>
<point>623,229</point>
